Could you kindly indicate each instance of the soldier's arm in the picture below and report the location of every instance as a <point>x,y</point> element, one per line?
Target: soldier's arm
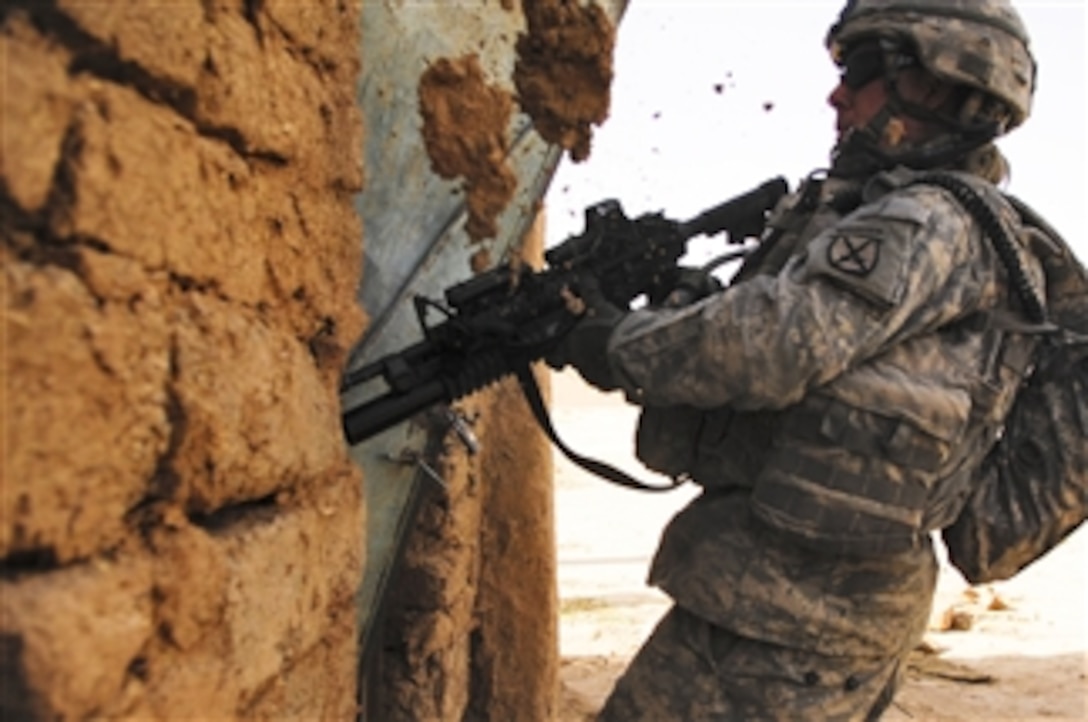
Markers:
<point>895,268</point>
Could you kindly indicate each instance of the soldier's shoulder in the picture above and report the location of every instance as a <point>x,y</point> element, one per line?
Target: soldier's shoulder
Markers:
<point>923,194</point>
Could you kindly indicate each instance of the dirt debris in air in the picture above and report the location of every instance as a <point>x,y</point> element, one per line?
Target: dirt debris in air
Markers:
<point>563,73</point>
<point>464,130</point>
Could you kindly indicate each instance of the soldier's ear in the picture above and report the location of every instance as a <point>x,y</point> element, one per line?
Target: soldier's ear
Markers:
<point>939,93</point>
<point>919,86</point>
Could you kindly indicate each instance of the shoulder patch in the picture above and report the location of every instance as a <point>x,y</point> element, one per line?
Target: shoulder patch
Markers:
<point>871,259</point>
<point>870,251</point>
<point>853,255</point>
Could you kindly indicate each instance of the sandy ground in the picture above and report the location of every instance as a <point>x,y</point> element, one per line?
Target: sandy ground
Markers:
<point>1009,651</point>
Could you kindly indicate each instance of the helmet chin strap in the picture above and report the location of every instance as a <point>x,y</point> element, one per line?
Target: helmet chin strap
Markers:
<point>860,153</point>
<point>870,149</point>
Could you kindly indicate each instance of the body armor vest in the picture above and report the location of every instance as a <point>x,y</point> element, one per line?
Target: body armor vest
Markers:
<point>844,471</point>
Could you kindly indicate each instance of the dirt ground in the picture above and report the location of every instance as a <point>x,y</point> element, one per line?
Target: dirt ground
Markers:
<point>1017,650</point>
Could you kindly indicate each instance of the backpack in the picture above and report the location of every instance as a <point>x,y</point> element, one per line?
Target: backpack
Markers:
<point>1031,490</point>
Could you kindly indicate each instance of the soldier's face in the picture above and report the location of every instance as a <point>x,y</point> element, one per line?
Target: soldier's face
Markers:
<point>856,105</point>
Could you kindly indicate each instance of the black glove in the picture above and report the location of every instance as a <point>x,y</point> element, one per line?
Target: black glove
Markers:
<point>686,286</point>
<point>585,347</point>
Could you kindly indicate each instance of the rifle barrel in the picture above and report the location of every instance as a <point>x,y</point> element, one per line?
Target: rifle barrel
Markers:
<point>744,211</point>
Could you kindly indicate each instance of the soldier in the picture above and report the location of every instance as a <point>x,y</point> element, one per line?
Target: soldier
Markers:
<point>835,398</point>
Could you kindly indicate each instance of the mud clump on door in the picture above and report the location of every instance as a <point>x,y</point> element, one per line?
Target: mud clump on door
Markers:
<point>564,73</point>
<point>464,128</point>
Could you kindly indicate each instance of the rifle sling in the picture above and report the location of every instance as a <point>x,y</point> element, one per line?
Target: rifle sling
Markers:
<point>532,393</point>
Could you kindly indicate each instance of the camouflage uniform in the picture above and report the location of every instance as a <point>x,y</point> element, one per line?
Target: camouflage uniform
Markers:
<point>836,389</point>
<point>835,401</point>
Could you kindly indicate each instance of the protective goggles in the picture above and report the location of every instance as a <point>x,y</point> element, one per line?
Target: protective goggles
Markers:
<point>867,61</point>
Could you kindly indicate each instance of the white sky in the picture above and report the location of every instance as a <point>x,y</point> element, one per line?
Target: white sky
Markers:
<point>674,144</point>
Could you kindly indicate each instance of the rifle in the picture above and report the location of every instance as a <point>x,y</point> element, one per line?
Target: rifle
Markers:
<point>499,322</point>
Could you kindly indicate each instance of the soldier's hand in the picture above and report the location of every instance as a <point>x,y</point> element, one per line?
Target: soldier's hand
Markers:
<point>585,347</point>
<point>686,286</point>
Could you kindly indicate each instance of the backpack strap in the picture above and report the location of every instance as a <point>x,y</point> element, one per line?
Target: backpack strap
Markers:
<point>1067,277</point>
<point>996,231</point>
<point>1014,322</point>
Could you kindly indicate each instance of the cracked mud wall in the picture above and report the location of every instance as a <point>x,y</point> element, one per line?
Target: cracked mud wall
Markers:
<point>181,526</point>
<point>471,631</point>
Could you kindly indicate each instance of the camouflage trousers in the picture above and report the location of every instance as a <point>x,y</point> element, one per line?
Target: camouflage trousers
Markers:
<point>692,671</point>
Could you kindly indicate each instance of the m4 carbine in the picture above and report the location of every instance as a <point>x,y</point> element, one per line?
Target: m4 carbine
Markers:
<point>499,322</point>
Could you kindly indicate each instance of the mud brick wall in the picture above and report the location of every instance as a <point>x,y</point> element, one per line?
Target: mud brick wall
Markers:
<point>181,526</point>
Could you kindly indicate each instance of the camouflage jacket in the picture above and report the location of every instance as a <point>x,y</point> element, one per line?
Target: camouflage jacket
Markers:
<point>838,388</point>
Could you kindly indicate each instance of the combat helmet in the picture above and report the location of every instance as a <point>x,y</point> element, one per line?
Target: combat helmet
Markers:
<point>979,45</point>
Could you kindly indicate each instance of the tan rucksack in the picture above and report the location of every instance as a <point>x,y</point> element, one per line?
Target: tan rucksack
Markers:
<point>1031,491</point>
